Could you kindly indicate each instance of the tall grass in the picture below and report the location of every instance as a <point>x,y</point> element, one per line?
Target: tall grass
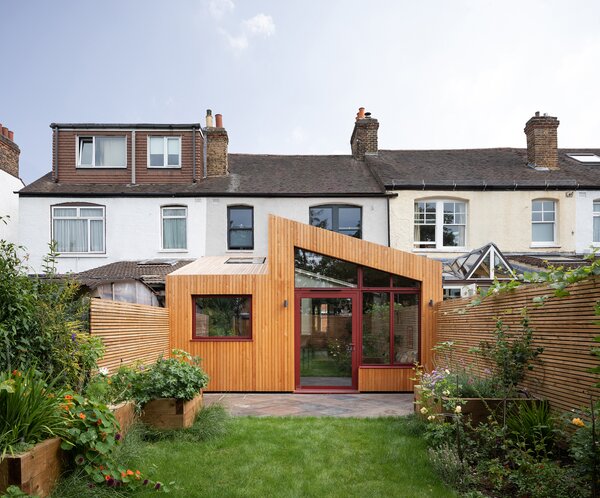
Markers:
<point>29,411</point>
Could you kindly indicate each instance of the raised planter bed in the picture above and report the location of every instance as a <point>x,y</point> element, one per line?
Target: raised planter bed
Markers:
<point>35,471</point>
<point>171,413</point>
<point>125,415</point>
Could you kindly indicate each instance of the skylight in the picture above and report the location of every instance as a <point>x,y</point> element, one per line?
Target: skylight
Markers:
<point>245,261</point>
<point>585,157</point>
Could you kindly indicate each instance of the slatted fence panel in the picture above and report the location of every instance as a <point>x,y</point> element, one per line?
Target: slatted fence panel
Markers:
<point>564,327</point>
<point>130,332</point>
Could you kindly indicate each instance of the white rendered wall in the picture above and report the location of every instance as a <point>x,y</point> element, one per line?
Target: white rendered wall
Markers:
<point>585,201</point>
<point>9,206</point>
<point>374,218</point>
<point>132,228</point>
<point>500,217</point>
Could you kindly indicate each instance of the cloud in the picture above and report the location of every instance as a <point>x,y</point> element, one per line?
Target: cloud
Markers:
<point>236,43</point>
<point>260,25</point>
<point>218,8</point>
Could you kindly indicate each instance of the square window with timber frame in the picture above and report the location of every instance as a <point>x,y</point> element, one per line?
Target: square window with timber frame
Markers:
<point>543,222</point>
<point>240,227</point>
<point>440,224</point>
<point>174,228</point>
<point>78,229</point>
<point>222,317</point>
<point>340,218</point>
<point>102,152</point>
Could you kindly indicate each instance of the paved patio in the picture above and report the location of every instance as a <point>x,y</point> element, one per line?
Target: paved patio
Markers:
<point>313,405</point>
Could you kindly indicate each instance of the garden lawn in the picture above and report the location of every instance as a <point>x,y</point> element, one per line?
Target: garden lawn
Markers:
<point>299,457</point>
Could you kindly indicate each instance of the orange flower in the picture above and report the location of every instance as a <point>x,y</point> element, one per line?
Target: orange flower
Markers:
<point>107,477</point>
<point>123,474</point>
<point>68,396</point>
<point>82,416</point>
<point>101,467</point>
<point>129,472</point>
<point>99,421</point>
<point>578,422</point>
<point>16,373</point>
<point>138,472</point>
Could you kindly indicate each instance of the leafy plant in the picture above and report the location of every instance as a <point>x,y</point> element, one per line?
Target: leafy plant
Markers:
<point>532,426</point>
<point>16,492</point>
<point>29,411</point>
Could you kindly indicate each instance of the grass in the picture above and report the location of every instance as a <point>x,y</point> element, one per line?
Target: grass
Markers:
<point>284,457</point>
<point>319,364</point>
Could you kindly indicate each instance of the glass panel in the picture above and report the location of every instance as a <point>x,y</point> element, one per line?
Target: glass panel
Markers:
<point>321,217</point>
<point>349,217</point>
<point>240,239</point>
<point>174,233</point>
<point>398,281</point>
<point>174,211</point>
<point>549,216</point>
<point>596,207</point>
<point>173,151</point>
<point>425,235</point>
<point>85,151</point>
<point>65,212</point>
<point>376,328</point>
<point>96,236</point>
<point>375,278</point>
<point>223,316</point>
<point>317,270</point>
<point>596,229</point>
<point>542,232</point>
<point>451,294</point>
<point>71,235</point>
<point>352,233</point>
<point>454,235</point>
<point>157,151</point>
<point>536,205</point>
<point>536,216</point>
<point>548,205</point>
<point>483,270</point>
<point>91,212</point>
<point>500,269</point>
<point>240,217</point>
<point>110,151</point>
<point>326,342</point>
<point>406,328</point>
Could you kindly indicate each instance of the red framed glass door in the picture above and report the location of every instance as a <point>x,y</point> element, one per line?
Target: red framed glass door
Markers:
<point>326,351</point>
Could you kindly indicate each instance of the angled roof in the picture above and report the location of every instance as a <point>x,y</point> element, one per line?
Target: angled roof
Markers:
<point>150,272</point>
<point>249,175</point>
<point>480,169</point>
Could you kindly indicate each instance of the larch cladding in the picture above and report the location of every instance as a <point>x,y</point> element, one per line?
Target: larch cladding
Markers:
<point>9,156</point>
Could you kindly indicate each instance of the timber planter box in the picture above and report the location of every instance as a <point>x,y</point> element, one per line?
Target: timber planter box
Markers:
<point>171,413</point>
<point>125,415</point>
<point>35,471</point>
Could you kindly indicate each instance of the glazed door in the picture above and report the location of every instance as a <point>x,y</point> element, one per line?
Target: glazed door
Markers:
<point>326,355</point>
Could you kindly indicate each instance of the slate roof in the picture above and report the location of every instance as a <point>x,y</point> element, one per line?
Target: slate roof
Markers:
<point>153,272</point>
<point>249,175</point>
<point>470,169</point>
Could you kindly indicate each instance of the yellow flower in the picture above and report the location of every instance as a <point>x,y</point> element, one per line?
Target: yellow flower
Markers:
<point>424,410</point>
<point>458,409</point>
<point>431,417</point>
<point>578,422</point>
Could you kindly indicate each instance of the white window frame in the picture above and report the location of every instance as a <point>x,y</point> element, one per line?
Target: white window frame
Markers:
<point>165,152</point>
<point>78,139</point>
<point>439,226</point>
<point>595,216</point>
<point>162,218</point>
<point>79,217</point>
<point>553,242</point>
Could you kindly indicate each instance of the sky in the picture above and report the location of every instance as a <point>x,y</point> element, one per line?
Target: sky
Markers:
<point>288,76</point>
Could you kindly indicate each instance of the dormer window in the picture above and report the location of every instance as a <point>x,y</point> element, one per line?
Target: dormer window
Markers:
<point>164,152</point>
<point>102,152</point>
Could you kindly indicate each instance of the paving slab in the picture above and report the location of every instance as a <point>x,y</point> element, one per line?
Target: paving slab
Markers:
<point>313,405</point>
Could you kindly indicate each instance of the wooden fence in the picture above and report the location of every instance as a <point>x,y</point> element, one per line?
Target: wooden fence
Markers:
<point>564,327</point>
<point>130,332</point>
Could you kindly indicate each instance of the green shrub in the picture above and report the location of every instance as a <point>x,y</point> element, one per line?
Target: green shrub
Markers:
<point>532,426</point>
<point>448,466</point>
<point>29,411</point>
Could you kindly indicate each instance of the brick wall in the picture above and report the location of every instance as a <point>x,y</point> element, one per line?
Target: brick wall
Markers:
<point>217,141</point>
<point>542,141</point>
<point>364,138</point>
<point>9,156</point>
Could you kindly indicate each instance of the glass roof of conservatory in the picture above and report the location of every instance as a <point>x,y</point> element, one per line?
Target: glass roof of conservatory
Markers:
<point>485,263</point>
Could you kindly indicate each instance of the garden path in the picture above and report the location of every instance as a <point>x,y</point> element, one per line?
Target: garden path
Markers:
<point>313,405</point>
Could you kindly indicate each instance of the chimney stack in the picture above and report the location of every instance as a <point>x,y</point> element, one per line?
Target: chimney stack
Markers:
<point>542,141</point>
<point>364,137</point>
<point>9,152</point>
<point>217,141</point>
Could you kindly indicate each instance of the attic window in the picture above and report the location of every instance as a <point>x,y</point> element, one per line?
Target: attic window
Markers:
<point>245,261</point>
<point>585,157</point>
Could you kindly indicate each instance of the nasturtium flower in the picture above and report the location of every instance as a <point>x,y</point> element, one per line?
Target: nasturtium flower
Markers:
<point>578,422</point>
<point>82,416</point>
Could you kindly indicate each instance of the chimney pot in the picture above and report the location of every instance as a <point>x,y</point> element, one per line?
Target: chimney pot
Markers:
<point>11,136</point>
<point>5,131</point>
<point>368,115</point>
<point>361,113</point>
<point>537,114</point>
<point>219,120</point>
<point>209,118</point>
